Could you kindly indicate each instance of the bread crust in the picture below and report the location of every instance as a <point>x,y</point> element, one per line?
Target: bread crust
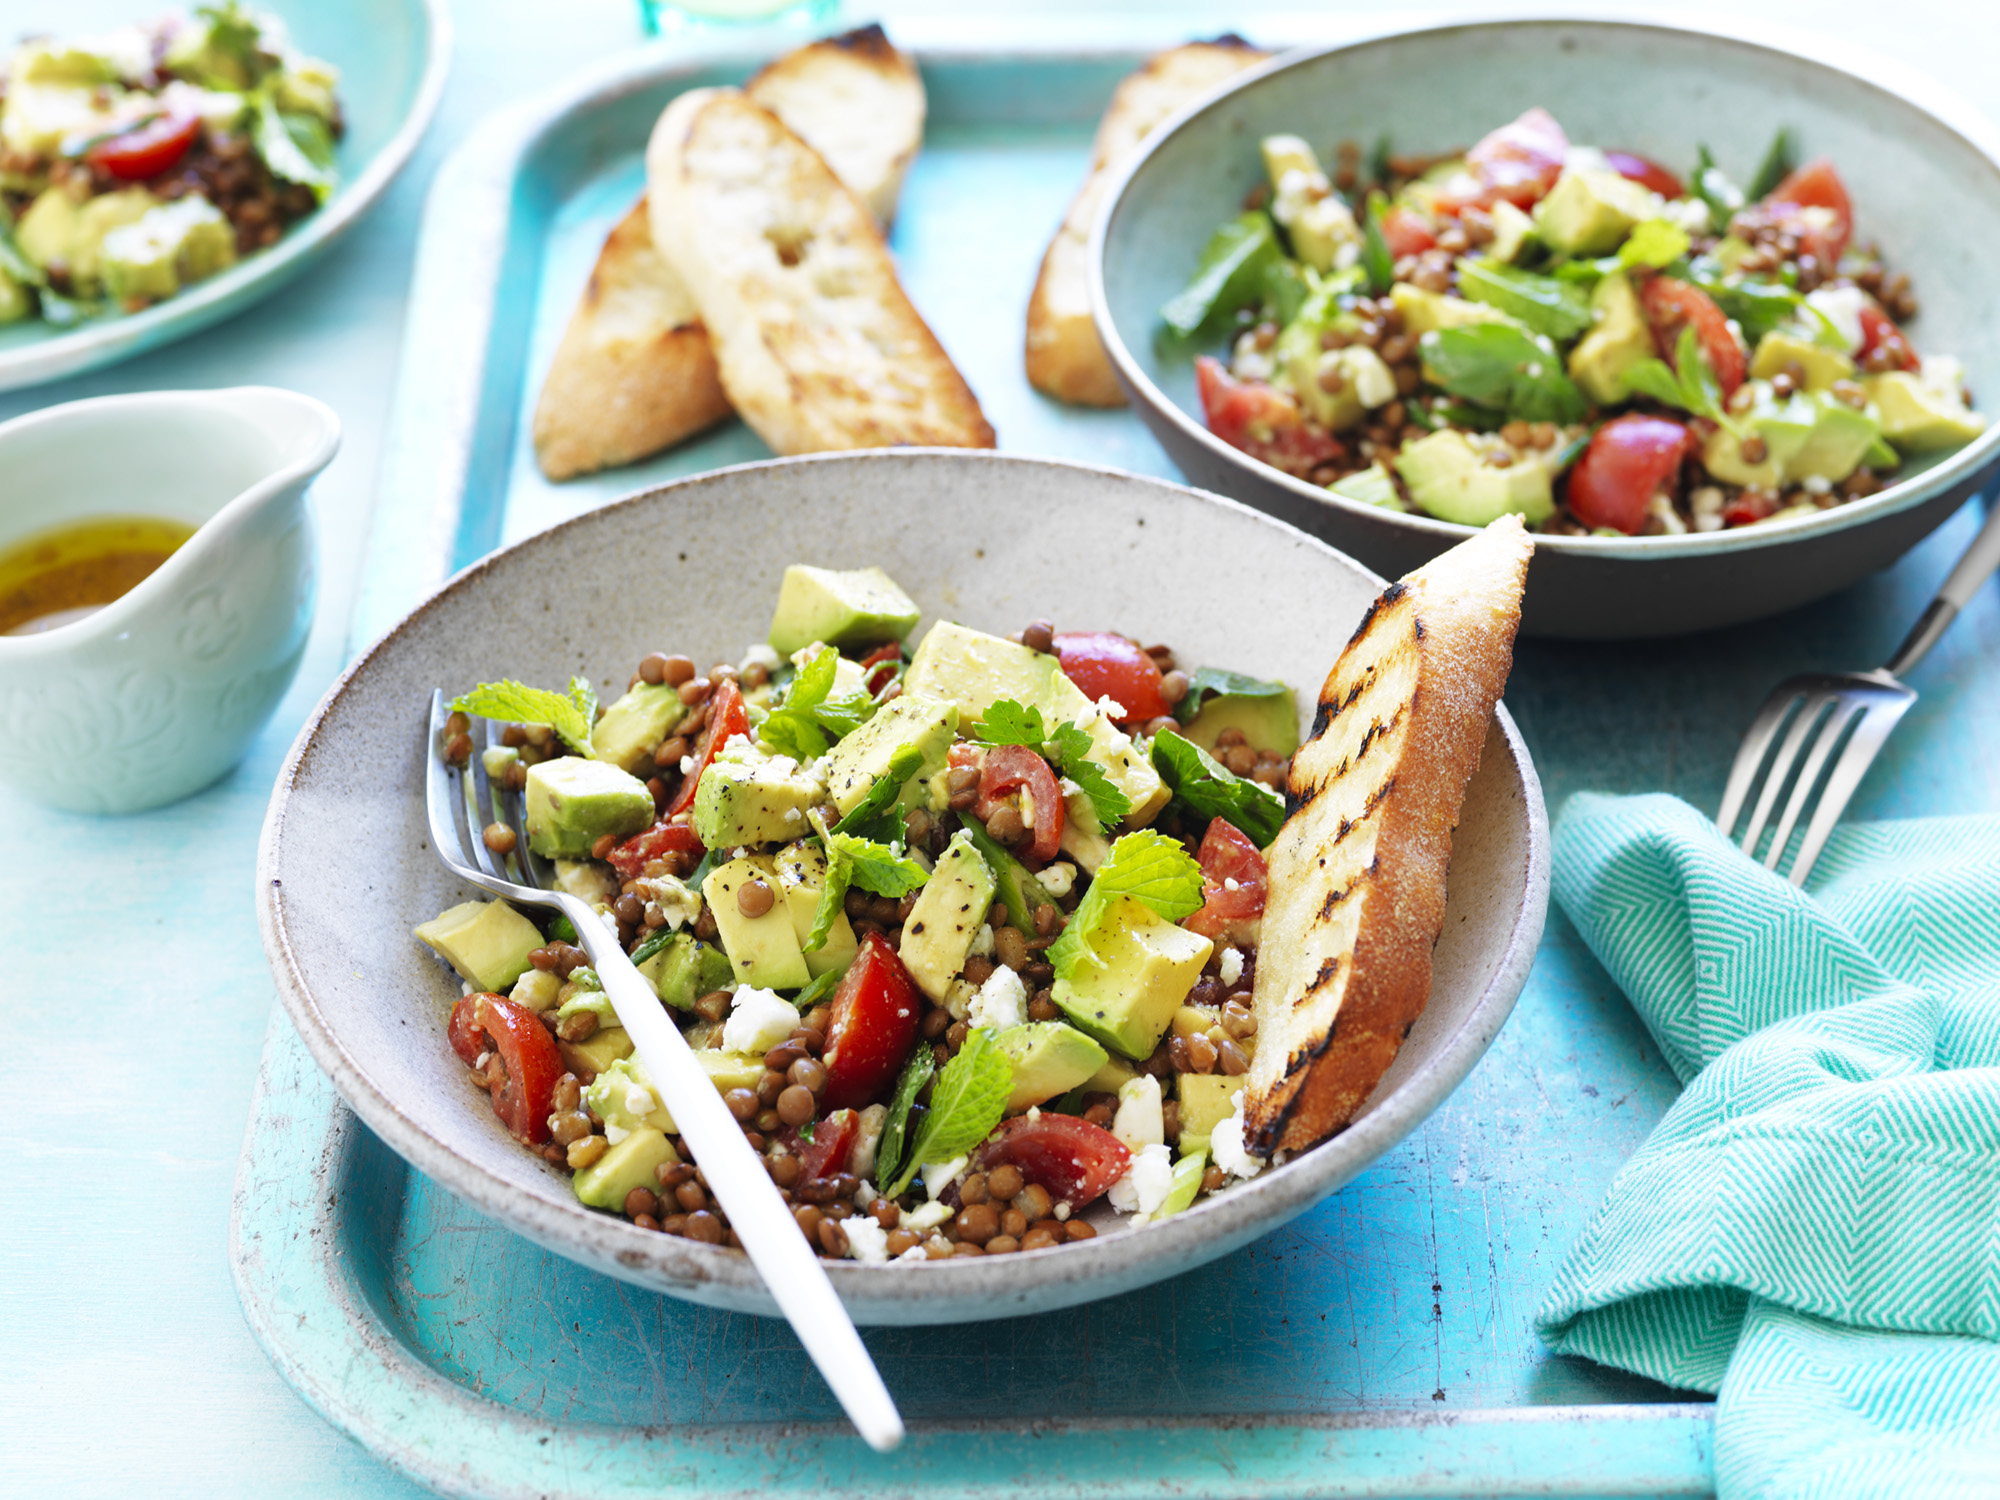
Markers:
<point>1064,357</point>
<point>1358,899</point>
<point>816,342</point>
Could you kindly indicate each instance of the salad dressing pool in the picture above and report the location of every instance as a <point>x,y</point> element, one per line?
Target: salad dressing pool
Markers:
<point>59,576</point>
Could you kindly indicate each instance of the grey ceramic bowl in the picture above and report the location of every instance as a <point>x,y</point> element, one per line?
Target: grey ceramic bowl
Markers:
<point>1923,167</point>
<point>346,869</point>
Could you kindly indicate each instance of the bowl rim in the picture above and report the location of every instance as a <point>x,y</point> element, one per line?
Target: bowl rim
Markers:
<point>1895,80</point>
<point>681,1267</point>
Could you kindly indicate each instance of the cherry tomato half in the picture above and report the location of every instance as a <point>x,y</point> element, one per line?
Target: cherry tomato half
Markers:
<point>523,1098</point>
<point>1672,305</point>
<point>1233,881</point>
<point>1110,666</point>
<point>727,718</point>
<point>1407,232</point>
<point>1817,185</point>
<point>1646,172</point>
<point>632,856</point>
<point>467,1039</point>
<point>1626,463</point>
<point>1749,506</point>
<point>1262,421</point>
<point>1076,1161</point>
<point>145,150</point>
<point>878,667</point>
<point>1879,332</point>
<point>874,1026</point>
<point>1519,162</point>
<point>826,1154</point>
<point>1016,768</point>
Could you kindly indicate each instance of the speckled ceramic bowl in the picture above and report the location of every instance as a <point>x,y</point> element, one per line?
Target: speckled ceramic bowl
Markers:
<point>1924,169</point>
<point>346,869</point>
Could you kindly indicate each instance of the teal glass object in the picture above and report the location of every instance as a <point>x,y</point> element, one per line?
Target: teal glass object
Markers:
<point>700,17</point>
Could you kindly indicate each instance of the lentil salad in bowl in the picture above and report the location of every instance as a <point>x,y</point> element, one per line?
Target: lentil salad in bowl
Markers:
<point>374,1006</point>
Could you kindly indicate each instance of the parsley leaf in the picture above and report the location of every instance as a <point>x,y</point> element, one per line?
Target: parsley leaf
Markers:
<point>967,1102</point>
<point>916,1073</point>
<point>1067,747</point>
<point>1212,682</point>
<point>1216,792</point>
<point>874,813</point>
<point>878,867</point>
<point>1153,870</point>
<point>570,714</point>
<point>1657,243</point>
<point>1011,723</point>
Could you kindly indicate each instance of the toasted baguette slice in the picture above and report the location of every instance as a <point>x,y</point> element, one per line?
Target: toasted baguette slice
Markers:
<point>818,347</point>
<point>859,103</point>
<point>1065,359</point>
<point>1357,874</point>
<point>634,372</point>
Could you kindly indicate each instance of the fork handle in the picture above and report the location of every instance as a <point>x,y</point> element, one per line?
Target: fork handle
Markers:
<point>1963,582</point>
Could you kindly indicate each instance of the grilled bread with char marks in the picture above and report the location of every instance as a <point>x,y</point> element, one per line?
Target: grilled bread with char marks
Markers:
<point>1357,875</point>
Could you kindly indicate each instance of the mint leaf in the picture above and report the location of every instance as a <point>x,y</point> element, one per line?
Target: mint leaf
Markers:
<point>1376,258</point>
<point>916,1073</point>
<point>1229,275</point>
<point>801,725</point>
<point>1776,166</point>
<point>1651,377</point>
<point>1213,791</point>
<point>1072,756</point>
<point>281,151</point>
<point>815,679</point>
<point>1011,723</point>
<point>1690,385</point>
<point>1714,188</point>
<point>967,1102</point>
<point>1153,870</point>
<point>1212,682</point>
<point>1657,243</point>
<point>1502,367</point>
<point>1560,309</point>
<point>569,714</point>
<point>881,797</point>
<point>878,867</point>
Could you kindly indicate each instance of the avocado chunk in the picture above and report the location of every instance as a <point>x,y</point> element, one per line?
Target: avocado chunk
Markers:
<point>1049,1059</point>
<point>1722,455</point>
<point>1591,210</point>
<point>949,911</point>
<point>47,229</point>
<point>488,942</point>
<point>801,871</point>
<point>1822,366</point>
<point>763,950</point>
<point>1424,312</point>
<point>633,727</point>
<point>1839,439</point>
<point>307,86</point>
<point>598,1051</point>
<point>1449,479</point>
<point>16,301</point>
<point>1269,722</point>
<point>1369,486</point>
<point>39,116</point>
<point>1082,839</point>
<point>626,1100</point>
<point>59,62</point>
<point>1303,201</point>
<point>1149,966</point>
<point>858,607</point>
<point>1112,1076</point>
<point>1919,416</point>
<point>214,61</point>
<point>1512,229</point>
<point>632,1163</point>
<point>913,718</point>
<point>754,798</point>
<point>165,249</point>
<point>1619,338</point>
<point>1013,886</point>
<point>572,803</point>
<point>1205,1103</point>
<point>587,880</point>
<point>686,969</point>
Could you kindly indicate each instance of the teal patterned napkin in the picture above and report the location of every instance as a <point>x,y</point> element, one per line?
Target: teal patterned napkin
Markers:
<point>1813,1231</point>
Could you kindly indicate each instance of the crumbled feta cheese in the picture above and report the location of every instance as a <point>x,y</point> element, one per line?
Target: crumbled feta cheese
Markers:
<point>740,747</point>
<point>1663,518</point>
<point>639,1100</point>
<point>1230,966</point>
<point>925,1216</point>
<point>958,998</point>
<point>614,1132</point>
<point>1346,256</point>
<point>1374,381</point>
<point>760,655</point>
<point>1841,306</point>
<point>678,903</point>
<point>1816,484</point>
<point>1690,214</point>
<point>1225,1145</point>
<point>536,990</point>
<point>1001,1002</point>
<point>687,765</point>
<point>1706,503</point>
<point>1058,879</point>
<point>939,1175</point>
<point>865,1195</point>
<point>866,1240</point>
<point>1141,1120</point>
<point>1146,1183</point>
<point>915,1252</point>
<point>758,1021</point>
<point>982,941</point>
<point>1062,1209</point>
<point>1587,159</point>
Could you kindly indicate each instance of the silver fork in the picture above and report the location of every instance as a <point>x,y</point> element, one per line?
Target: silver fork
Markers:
<point>790,1268</point>
<point>1817,711</point>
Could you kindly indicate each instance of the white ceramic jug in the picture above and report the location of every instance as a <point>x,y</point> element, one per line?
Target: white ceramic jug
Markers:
<point>161,691</point>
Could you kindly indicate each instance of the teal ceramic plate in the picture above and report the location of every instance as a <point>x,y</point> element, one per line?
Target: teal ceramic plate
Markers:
<point>392,56</point>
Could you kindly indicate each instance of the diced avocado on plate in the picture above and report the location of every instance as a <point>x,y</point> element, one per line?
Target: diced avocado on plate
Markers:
<point>758,799</point>
<point>1205,1100</point>
<point>801,872</point>
<point>1591,210</point>
<point>686,969</point>
<point>488,942</point>
<point>1049,1059</point>
<point>165,249</point>
<point>632,1163</point>
<point>1822,366</point>
<point>1268,721</point>
<point>572,803</point>
<point>633,727</point>
<point>1619,338</point>
<point>1149,966</point>
<point>912,719</point>
<point>1013,885</point>
<point>1369,486</point>
<point>1425,312</point>
<point>856,607</point>
<point>763,950</point>
<point>1448,478</point>
<point>598,1051</point>
<point>1920,417</point>
<point>945,920</point>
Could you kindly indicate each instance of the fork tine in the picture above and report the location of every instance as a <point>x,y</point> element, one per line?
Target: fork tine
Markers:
<point>442,798</point>
<point>1782,766</point>
<point>1750,755</point>
<point>1877,719</point>
<point>1831,732</point>
<point>483,813</point>
<point>512,809</point>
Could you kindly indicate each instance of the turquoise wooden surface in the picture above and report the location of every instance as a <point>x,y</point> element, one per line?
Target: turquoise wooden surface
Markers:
<point>137,1000</point>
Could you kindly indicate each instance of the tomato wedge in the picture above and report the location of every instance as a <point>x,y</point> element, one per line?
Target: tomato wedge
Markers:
<point>1262,421</point>
<point>632,856</point>
<point>1628,460</point>
<point>1646,172</point>
<point>1879,332</point>
<point>1816,185</point>
<point>1672,305</point>
<point>826,1154</point>
<point>467,1039</point>
<point>1407,232</point>
<point>147,149</point>
<point>1076,1161</point>
<point>727,718</point>
<point>1233,881</point>
<point>1016,768</point>
<point>1110,666</point>
<point>874,1026</point>
<point>1519,162</point>
<point>879,666</point>
<point>523,1098</point>
<point>1749,506</point>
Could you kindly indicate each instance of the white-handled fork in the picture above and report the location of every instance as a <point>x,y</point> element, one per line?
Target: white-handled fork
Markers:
<point>736,1176</point>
